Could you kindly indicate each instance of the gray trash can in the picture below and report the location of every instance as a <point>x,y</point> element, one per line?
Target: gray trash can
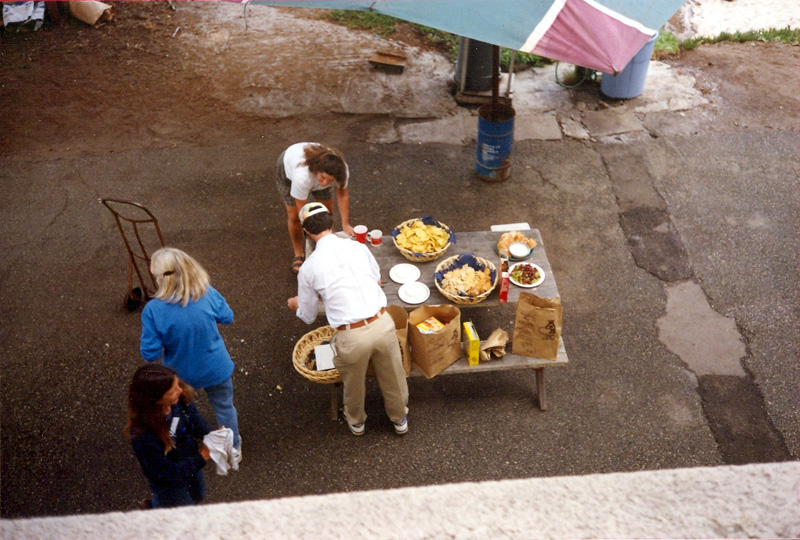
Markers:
<point>629,82</point>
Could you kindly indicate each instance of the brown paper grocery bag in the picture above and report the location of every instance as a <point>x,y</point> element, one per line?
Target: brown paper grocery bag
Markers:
<point>432,353</point>
<point>494,346</point>
<point>91,12</point>
<point>537,329</point>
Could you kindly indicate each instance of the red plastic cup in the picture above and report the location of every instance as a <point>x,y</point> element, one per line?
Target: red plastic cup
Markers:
<point>375,237</point>
<point>361,233</point>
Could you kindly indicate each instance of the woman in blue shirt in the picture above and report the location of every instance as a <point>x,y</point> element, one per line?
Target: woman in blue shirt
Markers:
<point>179,326</point>
<point>165,428</point>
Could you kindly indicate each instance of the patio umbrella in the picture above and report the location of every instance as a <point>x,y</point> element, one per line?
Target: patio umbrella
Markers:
<point>603,35</point>
<point>598,34</point>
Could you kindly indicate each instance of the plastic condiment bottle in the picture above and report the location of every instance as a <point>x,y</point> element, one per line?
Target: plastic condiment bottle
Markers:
<point>504,280</point>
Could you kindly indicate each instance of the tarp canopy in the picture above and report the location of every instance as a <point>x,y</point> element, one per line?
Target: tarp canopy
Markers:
<point>598,34</point>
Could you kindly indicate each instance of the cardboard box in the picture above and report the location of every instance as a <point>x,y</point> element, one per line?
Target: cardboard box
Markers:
<point>430,325</point>
<point>432,353</point>
<point>472,343</point>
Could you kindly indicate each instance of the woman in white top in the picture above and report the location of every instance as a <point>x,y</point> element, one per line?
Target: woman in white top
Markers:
<point>306,169</point>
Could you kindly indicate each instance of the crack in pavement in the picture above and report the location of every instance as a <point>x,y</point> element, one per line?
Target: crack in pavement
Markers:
<point>708,343</point>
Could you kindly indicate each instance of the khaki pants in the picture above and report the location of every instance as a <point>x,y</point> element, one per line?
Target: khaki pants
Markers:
<point>376,341</point>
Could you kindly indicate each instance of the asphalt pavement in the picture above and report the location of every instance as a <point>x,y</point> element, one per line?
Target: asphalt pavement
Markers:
<point>625,402</point>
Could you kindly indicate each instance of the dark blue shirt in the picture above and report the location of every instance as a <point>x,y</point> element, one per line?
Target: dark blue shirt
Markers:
<point>176,467</point>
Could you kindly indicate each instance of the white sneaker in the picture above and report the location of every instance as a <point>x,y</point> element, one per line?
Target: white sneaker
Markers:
<point>236,456</point>
<point>357,429</point>
<point>402,427</point>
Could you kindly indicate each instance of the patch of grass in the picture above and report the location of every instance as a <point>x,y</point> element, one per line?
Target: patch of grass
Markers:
<point>383,25</point>
<point>666,42</point>
<point>522,60</point>
<point>784,35</point>
<point>450,41</point>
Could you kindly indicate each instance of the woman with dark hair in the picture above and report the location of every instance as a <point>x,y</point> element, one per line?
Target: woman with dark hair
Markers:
<point>306,169</point>
<point>165,427</point>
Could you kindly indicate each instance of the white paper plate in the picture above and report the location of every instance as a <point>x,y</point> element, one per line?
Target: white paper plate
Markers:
<point>404,273</point>
<point>415,292</point>
<point>527,285</point>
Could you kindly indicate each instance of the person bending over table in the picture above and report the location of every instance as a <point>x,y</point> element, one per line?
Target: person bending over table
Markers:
<point>306,169</point>
<point>345,275</point>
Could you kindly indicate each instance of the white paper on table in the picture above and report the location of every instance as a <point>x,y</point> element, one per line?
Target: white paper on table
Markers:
<point>511,227</point>
<point>324,356</point>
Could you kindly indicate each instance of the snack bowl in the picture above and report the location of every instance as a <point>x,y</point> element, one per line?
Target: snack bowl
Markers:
<point>535,268</point>
<point>305,365</point>
<point>523,249</point>
<point>519,250</point>
<point>417,256</point>
<point>458,261</point>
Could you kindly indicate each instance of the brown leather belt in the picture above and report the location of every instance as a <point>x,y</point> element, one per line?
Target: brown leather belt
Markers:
<point>359,324</point>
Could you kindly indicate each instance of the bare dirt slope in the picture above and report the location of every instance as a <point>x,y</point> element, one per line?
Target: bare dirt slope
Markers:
<point>195,74</point>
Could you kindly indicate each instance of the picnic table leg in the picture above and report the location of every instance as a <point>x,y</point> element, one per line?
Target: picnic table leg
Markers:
<point>334,401</point>
<point>540,391</point>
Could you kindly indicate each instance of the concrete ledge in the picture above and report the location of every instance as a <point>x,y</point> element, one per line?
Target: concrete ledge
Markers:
<point>749,501</point>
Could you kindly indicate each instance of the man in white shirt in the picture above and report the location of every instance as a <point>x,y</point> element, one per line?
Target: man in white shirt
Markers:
<point>345,275</point>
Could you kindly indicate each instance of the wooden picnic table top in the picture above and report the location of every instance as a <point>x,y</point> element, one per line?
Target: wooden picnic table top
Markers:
<point>480,243</point>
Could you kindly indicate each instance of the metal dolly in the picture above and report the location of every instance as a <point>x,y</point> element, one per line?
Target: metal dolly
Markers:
<point>130,218</point>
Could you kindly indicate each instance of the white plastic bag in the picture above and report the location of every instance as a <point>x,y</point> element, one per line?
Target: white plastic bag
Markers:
<point>23,15</point>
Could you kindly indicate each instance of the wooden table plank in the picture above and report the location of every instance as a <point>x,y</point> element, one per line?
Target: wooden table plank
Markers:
<point>509,361</point>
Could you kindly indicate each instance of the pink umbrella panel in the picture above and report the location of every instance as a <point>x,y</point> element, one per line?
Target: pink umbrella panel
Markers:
<point>598,34</point>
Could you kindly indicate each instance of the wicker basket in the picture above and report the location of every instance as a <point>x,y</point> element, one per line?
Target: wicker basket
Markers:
<point>467,300</point>
<point>304,364</point>
<point>421,257</point>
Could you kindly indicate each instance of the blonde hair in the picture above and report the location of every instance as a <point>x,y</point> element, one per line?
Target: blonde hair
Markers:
<point>180,278</point>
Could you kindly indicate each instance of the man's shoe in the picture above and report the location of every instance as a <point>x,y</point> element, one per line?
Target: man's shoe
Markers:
<point>402,427</point>
<point>357,429</point>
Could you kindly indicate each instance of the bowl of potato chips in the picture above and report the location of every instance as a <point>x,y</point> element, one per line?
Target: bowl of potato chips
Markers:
<point>422,239</point>
<point>466,278</point>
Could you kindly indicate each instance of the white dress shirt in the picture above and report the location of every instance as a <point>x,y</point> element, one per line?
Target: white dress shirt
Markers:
<point>345,275</point>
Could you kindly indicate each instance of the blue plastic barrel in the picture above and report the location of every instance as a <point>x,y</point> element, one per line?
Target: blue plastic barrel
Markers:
<point>495,139</point>
<point>629,82</point>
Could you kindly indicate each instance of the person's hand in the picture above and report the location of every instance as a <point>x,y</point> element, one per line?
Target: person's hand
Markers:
<point>292,303</point>
<point>349,230</point>
<point>205,452</point>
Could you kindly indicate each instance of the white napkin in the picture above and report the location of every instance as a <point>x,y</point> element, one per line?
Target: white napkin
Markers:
<point>220,448</point>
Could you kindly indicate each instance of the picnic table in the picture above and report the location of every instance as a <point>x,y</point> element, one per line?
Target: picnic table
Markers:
<point>482,244</point>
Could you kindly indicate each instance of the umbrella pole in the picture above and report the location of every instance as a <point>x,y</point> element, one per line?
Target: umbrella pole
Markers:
<point>495,80</point>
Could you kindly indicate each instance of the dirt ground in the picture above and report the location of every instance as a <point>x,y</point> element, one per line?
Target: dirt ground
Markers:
<point>134,83</point>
